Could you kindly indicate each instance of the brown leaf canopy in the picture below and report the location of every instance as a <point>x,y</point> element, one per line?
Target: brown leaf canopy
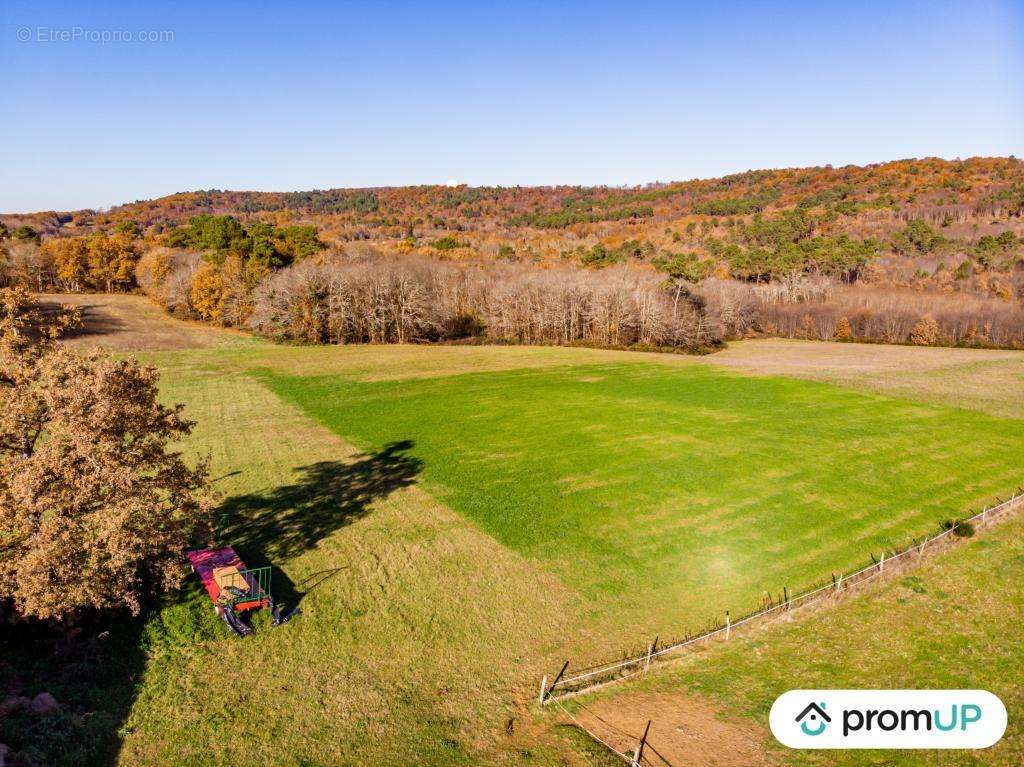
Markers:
<point>95,508</point>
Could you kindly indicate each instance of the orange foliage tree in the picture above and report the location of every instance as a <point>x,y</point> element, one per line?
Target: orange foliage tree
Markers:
<point>95,507</point>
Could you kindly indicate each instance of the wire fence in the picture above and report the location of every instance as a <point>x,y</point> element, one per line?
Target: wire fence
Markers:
<point>566,685</point>
<point>643,754</point>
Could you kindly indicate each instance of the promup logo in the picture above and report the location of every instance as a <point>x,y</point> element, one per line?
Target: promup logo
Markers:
<point>888,719</point>
<point>813,720</point>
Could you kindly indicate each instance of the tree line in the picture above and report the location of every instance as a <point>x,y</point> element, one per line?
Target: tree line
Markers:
<point>342,299</point>
<point>636,292</point>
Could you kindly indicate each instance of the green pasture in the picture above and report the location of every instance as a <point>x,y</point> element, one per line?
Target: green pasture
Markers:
<point>668,494</point>
<point>952,623</point>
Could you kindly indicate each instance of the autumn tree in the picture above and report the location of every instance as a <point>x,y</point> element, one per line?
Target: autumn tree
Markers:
<point>95,507</point>
<point>206,293</point>
<point>925,332</point>
<point>152,270</point>
<point>28,265</point>
<point>235,292</point>
<point>71,261</point>
<point>112,260</point>
<point>843,330</point>
<point>96,262</point>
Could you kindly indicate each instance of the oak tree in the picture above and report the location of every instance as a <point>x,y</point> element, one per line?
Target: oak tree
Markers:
<point>95,505</point>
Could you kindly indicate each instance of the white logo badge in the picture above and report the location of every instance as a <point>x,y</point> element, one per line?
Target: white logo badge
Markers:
<point>887,719</point>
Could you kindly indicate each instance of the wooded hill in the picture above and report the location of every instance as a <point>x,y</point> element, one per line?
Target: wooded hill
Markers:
<point>933,189</point>
<point>866,253</point>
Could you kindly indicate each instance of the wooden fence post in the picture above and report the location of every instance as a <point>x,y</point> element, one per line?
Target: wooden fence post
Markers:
<point>544,693</point>
<point>728,626</point>
<point>650,651</point>
<point>543,688</point>
<point>639,753</point>
<point>785,596</point>
<point>881,562</point>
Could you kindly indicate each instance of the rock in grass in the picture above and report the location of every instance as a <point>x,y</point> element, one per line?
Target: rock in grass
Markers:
<point>44,703</point>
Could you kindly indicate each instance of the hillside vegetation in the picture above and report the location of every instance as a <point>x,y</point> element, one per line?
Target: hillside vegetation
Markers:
<point>928,252</point>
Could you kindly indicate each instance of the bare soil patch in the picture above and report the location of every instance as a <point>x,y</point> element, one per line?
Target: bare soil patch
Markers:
<point>685,729</point>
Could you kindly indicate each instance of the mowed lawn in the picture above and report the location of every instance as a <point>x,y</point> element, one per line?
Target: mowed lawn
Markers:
<point>668,494</point>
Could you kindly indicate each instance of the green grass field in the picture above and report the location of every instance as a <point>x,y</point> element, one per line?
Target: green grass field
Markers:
<point>953,623</point>
<point>668,495</point>
<point>455,521</point>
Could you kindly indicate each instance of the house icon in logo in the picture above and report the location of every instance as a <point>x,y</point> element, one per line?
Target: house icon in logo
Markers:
<point>813,720</point>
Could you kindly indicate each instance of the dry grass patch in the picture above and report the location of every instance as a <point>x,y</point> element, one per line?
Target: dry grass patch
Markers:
<point>688,731</point>
<point>978,379</point>
<point>122,322</point>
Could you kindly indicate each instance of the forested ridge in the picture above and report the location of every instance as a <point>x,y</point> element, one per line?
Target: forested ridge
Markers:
<point>920,251</point>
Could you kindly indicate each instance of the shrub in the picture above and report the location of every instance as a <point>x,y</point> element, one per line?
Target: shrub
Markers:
<point>465,325</point>
<point>964,270</point>
<point>917,238</point>
<point>960,529</point>
<point>925,332</point>
<point>843,330</point>
<point>26,233</point>
<point>448,242</point>
<point>127,228</point>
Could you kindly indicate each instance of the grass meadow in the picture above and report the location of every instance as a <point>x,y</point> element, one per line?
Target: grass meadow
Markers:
<point>456,521</point>
<point>952,623</point>
<point>665,495</point>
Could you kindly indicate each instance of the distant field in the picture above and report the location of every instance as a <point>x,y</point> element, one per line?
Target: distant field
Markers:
<point>991,381</point>
<point>683,491</point>
<point>457,520</point>
<point>131,323</point>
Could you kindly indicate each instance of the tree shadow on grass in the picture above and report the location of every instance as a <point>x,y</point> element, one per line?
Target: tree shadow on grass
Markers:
<point>92,672</point>
<point>272,527</point>
<point>96,320</point>
<point>95,671</point>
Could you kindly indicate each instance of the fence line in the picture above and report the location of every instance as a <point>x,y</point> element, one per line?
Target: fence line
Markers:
<point>637,759</point>
<point>614,671</point>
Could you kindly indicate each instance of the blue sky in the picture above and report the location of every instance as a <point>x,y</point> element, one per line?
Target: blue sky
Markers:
<point>282,97</point>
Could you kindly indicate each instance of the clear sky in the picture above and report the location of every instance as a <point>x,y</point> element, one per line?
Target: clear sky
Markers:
<point>253,95</point>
